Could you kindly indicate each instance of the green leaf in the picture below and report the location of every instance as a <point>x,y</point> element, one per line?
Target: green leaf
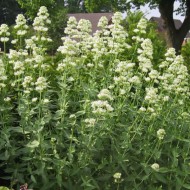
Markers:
<point>3,188</point>
<point>79,113</point>
<point>33,179</point>
<point>19,130</point>
<point>187,186</point>
<point>161,178</point>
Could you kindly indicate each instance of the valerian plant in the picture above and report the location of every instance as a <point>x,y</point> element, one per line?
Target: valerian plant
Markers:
<point>105,113</point>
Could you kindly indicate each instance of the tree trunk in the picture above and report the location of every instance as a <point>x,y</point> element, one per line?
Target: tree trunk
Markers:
<point>174,37</point>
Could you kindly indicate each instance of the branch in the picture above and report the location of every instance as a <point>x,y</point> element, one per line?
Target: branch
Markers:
<point>185,27</point>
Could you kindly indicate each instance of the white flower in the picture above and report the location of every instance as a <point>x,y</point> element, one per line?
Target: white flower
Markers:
<point>103,22</point>
<point>41,84</point>
<point>101,107</point>
<point>27,81</point>
<point>142,109</point>
<point>170,54</point>
<point>84,26</point>
<point>166,98</point>
<point>30,43</point>
<point>70,47</point>
<point>4,39</point>
<point>4,30</point>
<point>141,26</point>
<point>34,99</point>
<point>122,91</point>
<point>39,58</point>
<point>160,134</point>
<point>72,116</point>
<point>90,121</point>
<point>41,20</point>
<point>21,32</point>
<point>151,110</point>
<point>7,99</point>
<point>70,79</point>
<point>20,21</point>
<point>153,74</point>
<point>151,95</point>
<point>14,41</point>
<point>18,68</point>
<point>105,95</point>
<point>155,167</point>
<point>3,76</point>
<point>90,65</point>
<point>117,175</point>
<point>145,55</point>
<point>45,101</point>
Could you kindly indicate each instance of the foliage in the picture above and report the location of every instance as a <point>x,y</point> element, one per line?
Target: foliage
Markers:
<point>8,11</point>
<point>105,5</point>
<point>159,45</point>
<point>186,54</point>
<point>3,188</point>
<point>58,16</point>
<point>75,6</point>
<point>105,113</point>
<point>33,6</point>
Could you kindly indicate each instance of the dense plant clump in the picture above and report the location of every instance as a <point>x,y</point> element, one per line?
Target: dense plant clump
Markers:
<point>103,114</point>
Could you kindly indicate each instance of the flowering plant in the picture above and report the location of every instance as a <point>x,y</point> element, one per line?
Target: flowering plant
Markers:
<point>105,113</point>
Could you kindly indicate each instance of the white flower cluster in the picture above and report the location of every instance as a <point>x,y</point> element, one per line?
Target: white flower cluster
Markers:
<point>18,67</point>
<point>161,133</point>
<point>117,177</point>
<point>110,39</point>
<point>21,26</point>
<point>84,27</point>
<point>105,95</point>
<point>27,84</point>
<point>78,39</point>
<point>15,55</point>
<point>71,29</point>
<point>175,76</point>
<point>170,56</point>
<point>117,42</point>
<point>101,107</point>
<point>141,26</point>
<point>145,56</point>
<point>30,44</point>
<point>67,62</point>
<point>99,47</point>
<point>4,33</point>
<point>90,122</point>
<point>70,47</point>
<point>16,60</point>
<point>3,76</point>
<point>155,167</point>
<point>42,20</point>
<point>103,23</point>
<point>151,95</point>
<point>41,84</point>
<point>125,76</point>
<point>7,99</point>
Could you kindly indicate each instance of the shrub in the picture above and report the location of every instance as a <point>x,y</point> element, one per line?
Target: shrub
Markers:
<point>103,114</point>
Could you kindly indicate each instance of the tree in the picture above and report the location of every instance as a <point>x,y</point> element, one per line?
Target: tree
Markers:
<point>8,11</point>
<point>105,5</point>
<point>75,6</point>
<point>174,36</point>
